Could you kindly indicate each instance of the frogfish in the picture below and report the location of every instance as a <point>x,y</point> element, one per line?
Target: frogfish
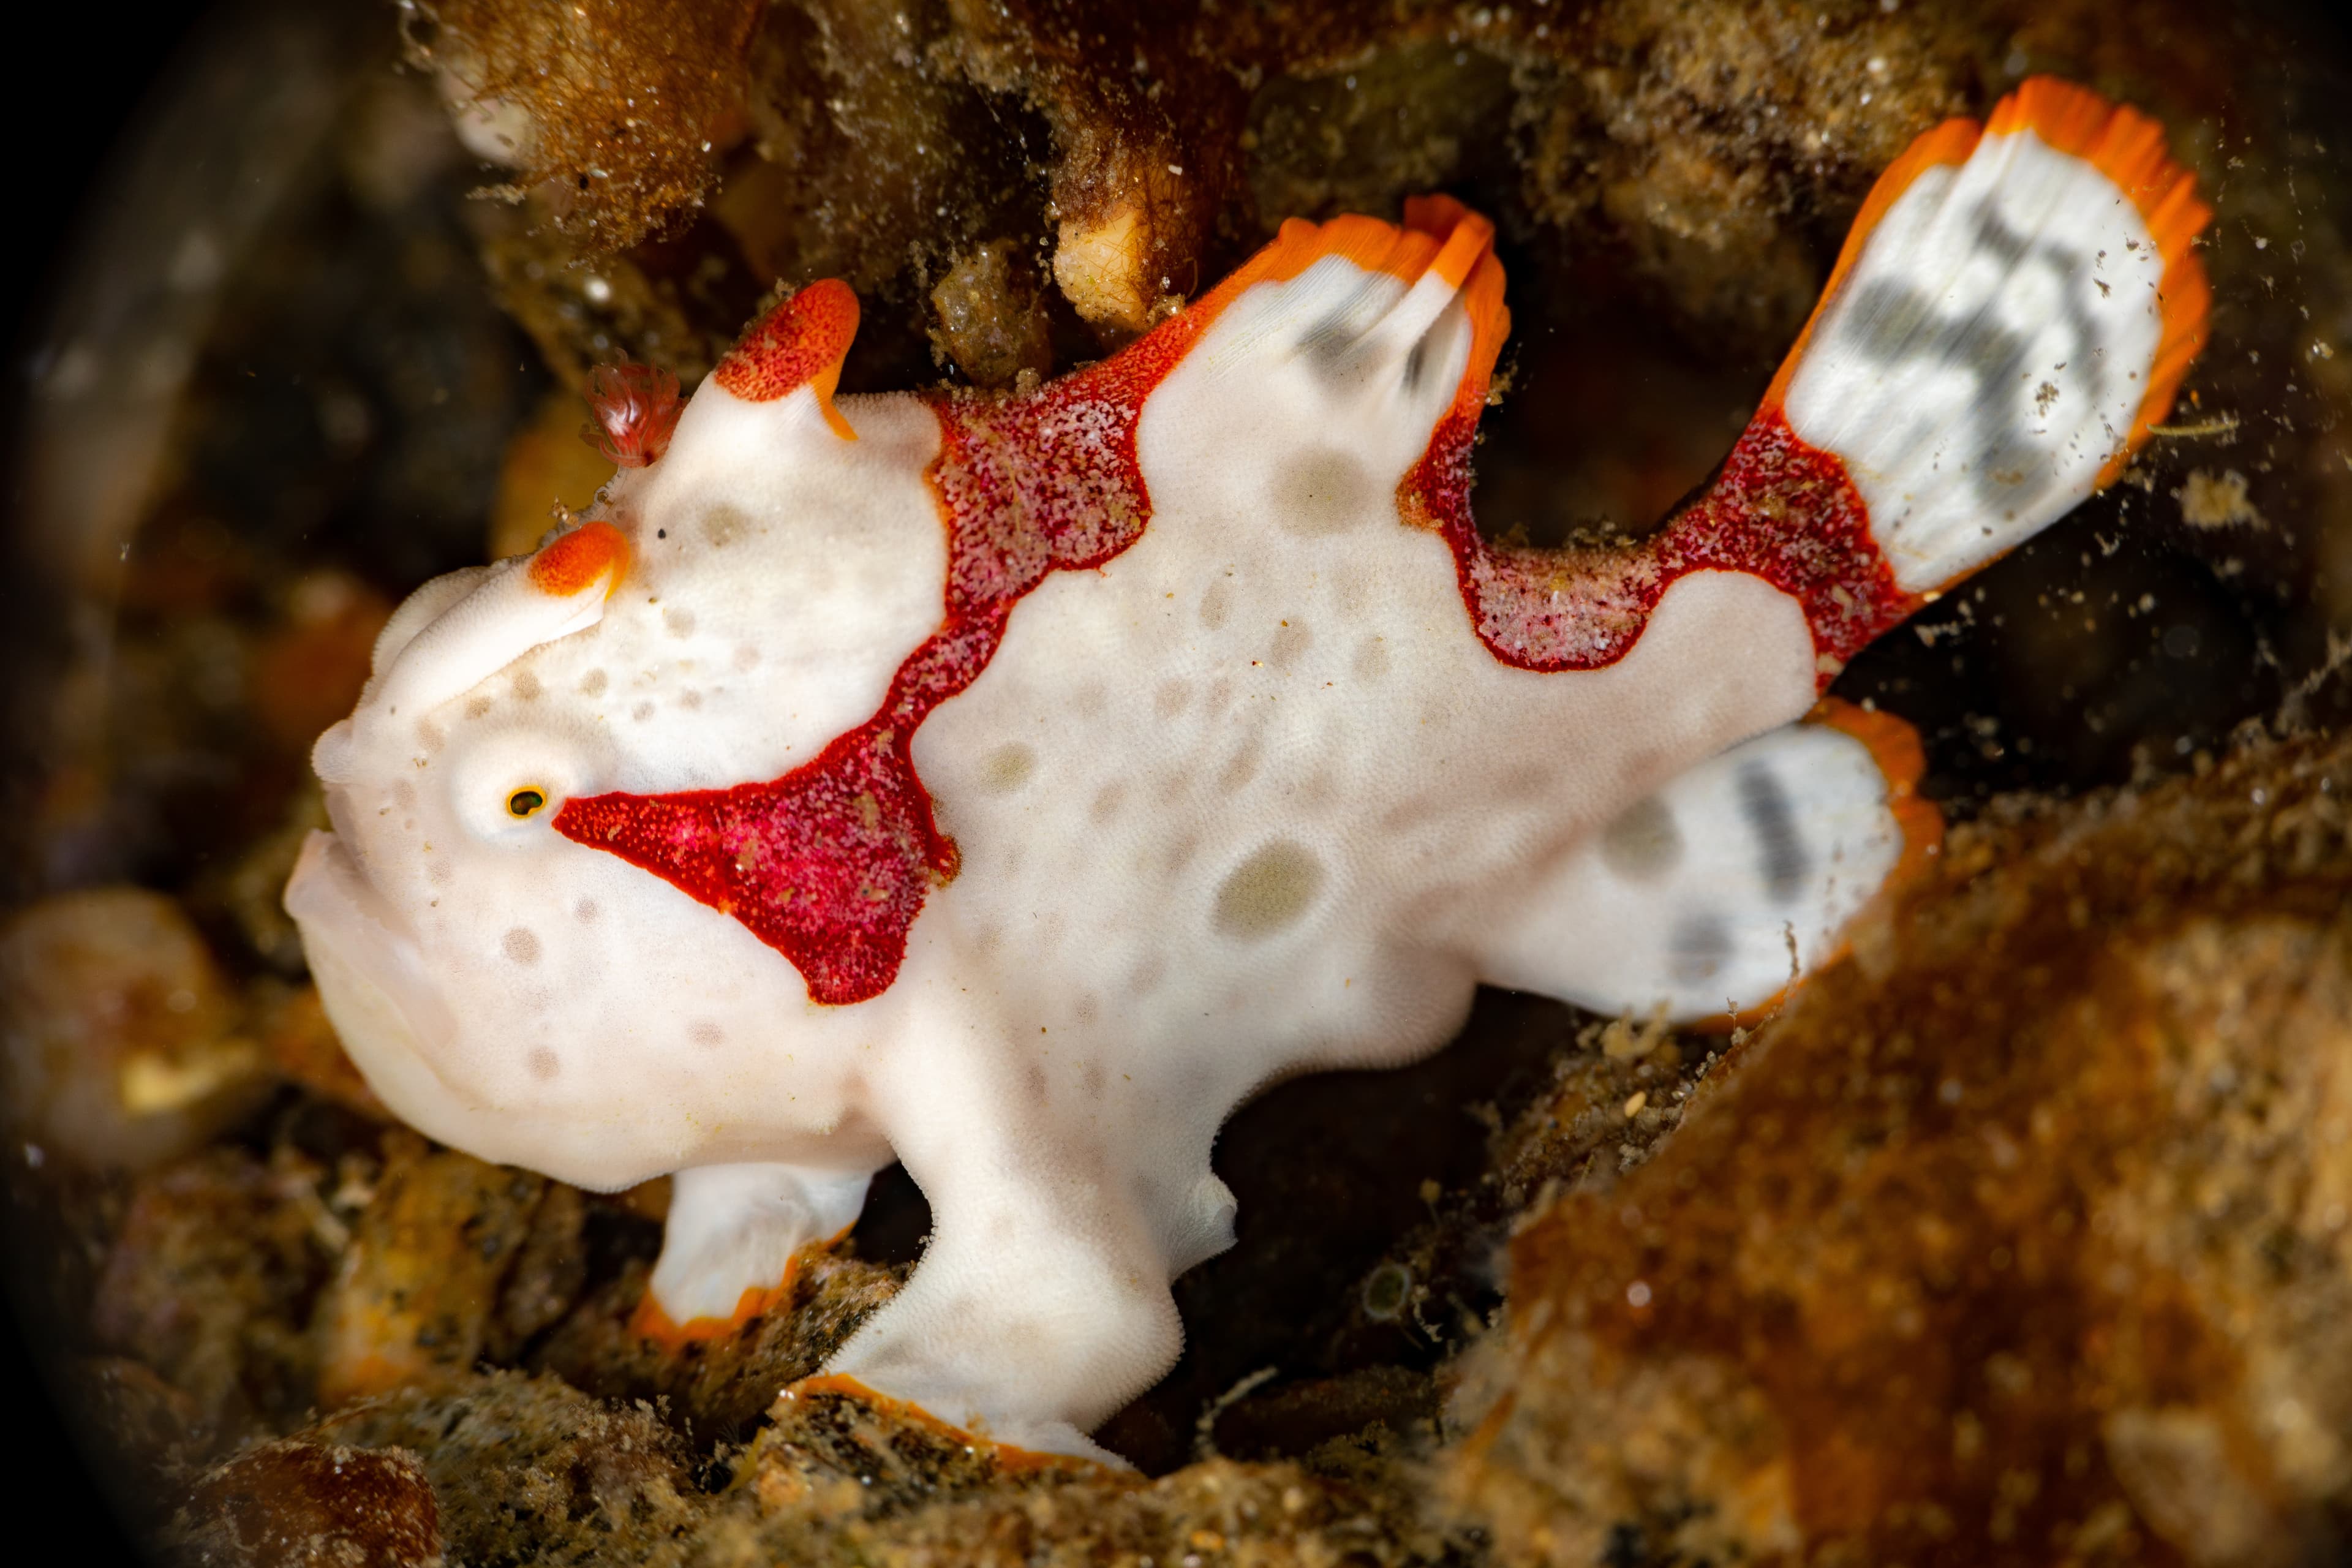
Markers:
<point>1010,786</point>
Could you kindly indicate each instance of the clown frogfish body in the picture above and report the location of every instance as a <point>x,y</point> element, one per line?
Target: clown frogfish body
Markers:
<point>1010,786</point>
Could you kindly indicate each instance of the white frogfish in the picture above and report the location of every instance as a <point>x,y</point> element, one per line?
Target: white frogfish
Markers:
<point>1011,785</point>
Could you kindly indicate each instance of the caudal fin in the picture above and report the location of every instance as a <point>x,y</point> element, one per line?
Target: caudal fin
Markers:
<point>2015,306</point>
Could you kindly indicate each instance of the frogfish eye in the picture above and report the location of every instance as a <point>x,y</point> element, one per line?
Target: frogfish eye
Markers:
<point>526,802</point>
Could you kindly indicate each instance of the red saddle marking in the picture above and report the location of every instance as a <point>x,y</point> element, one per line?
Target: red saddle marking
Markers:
<point>829,864</point>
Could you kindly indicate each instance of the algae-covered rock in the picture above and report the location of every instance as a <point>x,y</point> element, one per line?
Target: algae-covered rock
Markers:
<point>2026,1229</point>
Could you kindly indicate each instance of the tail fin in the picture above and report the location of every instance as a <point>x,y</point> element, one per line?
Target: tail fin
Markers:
<point>2012,310</point>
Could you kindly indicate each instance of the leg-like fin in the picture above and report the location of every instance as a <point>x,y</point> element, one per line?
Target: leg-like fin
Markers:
<point>2013,311</point>
<point>728,1251</point>
<point>1710,896</point>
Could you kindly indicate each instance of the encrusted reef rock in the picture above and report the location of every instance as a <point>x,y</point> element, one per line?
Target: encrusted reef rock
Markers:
<point>2026,1235</point>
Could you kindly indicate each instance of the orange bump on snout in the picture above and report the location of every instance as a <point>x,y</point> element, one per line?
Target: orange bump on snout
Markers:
<point>576,561</point>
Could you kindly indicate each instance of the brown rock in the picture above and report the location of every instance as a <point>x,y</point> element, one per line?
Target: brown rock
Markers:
<point>210,1281</point>
<point>991,318</point>
<point>615,107</point>
<point>299,1504</point>
<point>2031,1225</point>
<point>526,1469</point>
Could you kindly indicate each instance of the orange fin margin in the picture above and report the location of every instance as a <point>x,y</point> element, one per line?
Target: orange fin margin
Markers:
<point>1438,234</point>
<point>1894,746</point>
<point>650,1322</point>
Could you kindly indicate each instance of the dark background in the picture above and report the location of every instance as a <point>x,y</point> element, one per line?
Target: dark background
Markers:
<point>66,121</point>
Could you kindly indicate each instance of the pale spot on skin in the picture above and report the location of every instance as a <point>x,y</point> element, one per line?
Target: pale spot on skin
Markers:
<point>1007,768</point>
<point>689,699</point>
<point>403,796</point>
<point>1322,493</point>
<point>1170,700</point>
<point>542,1063</point>
<point>1106,800</point>
<point>642,712</point>
<point>585,912</point>
<point>440,873</point>
<point>526,685</point>
<point>1372,659</point>
<point>521,944</point>
<point>724,525</point>
<point>1290,640</point>
<point>705,1033</point>
<point>1149,975</point>
<point>680,622</point>
<point>1643,843</point>
<point>1243,767</point>
<point>476,707</point>
<point>593,684</point>
<point>1269,892</point>
<point>746,655</point>
<point>1217,604</point>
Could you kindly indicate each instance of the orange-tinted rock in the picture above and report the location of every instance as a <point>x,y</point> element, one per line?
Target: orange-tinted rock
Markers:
<point>414,1301</point>
<point>303,1046</point>
<point>2029,1230</point>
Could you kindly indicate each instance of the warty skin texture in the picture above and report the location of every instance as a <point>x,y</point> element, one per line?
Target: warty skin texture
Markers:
<point>1251,794</point>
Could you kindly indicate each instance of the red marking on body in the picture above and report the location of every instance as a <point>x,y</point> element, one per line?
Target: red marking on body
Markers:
<point>576,561</point>
<point>636,408</point>
<point>1780,510</point>
<point>829,864</point>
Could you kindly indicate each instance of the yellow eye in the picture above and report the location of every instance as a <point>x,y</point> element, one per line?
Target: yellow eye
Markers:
<point>525,803</point>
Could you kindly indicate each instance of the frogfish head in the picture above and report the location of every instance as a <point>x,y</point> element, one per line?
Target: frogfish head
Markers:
<point>720,616</point>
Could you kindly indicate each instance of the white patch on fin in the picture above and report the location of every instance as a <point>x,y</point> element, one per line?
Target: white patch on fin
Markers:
<point>1711,896</point>
<point>1985,359</point>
